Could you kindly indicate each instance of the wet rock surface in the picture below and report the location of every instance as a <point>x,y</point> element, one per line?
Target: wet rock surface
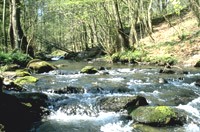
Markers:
<point>67,90</point>
<point>121,103</point>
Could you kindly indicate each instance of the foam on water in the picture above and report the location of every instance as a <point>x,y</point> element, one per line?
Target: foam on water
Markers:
<point>114,79</point>
<point>117,127</point>
<point>192,108</point>
<point>192,127</point>
<point>102,117</point>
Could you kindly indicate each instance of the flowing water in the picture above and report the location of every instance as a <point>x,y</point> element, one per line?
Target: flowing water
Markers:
<point>80,112</point>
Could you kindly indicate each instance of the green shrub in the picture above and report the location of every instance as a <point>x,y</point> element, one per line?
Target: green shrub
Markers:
<point>14,57</point>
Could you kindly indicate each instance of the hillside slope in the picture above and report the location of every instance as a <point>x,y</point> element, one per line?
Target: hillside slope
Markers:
<point>181,41</point>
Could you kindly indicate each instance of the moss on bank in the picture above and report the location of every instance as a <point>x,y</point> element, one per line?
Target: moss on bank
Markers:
<point>142,56</point>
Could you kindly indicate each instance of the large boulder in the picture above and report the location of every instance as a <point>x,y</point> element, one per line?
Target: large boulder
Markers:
<point>197,64</point>
<point>16,116</point>
<point>158,116</point>
<point>117,103</point>
<point>40,66</point>
<point>89,70</point>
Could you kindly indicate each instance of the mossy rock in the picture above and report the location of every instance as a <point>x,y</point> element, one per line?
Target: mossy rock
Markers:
<point>158,116</point>
<point>89,70</point>
<point>58,53</point>
<point>22,73</point>
<point>11,67</point>
<point>40,66</point>
<point>25,80</point>
<point>197,64</point>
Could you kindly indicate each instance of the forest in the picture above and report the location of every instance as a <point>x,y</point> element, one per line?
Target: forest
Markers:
<point>32,26</point>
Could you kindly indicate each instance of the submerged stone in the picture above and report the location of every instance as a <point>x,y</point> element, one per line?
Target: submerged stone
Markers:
<point>158,116</point>
<point>67,90</point>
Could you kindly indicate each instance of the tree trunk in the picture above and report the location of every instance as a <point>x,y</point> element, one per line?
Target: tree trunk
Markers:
<point>149,16</point>
<point>11,33</point>
<point>20,39</point>
<point>4,27</point>
<point>122,39</point>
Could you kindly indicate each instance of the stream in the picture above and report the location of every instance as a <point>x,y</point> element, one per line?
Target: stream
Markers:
<point>80,111</point>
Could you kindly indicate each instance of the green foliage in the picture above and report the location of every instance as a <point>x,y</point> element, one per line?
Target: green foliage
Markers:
<point>14,57</point>
<point>177,6</point>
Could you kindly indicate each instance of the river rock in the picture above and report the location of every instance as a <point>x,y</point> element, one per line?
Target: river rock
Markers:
<point>162,81</point>
<point>12,67</point>
<point>42,56</point>
<point>8,84</point>
<point>197,83</point>
<point>25,80</point>
<point>136,102</point>
<point>16,116</point>
<point>40,66</point>
<point>197,64</point>
<point>89,70</point>
<point>117,103</point>
<point>70,55</point>
<point>167,71</point>
<point>158,116</point>
<point>67,90</point>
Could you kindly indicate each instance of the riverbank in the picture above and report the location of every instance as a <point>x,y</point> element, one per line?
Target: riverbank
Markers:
<point>181,41</point>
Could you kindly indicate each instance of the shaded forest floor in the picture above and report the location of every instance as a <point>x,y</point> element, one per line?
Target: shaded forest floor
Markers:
<point>182,40</point>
